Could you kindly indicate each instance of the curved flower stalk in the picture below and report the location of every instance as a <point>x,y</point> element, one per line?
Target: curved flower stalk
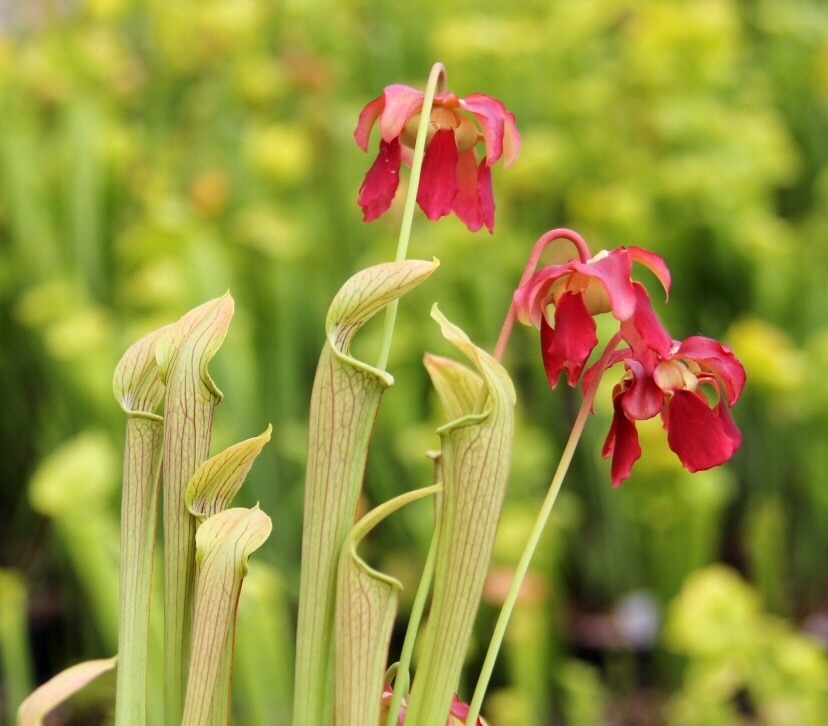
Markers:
<point>561,301</point>
<point>138,389</point>
<point>223,545</point>
<point>366,604</point>
<point>663,376</point>
<point>183,354</point>
<point>452,179</point>
<point>344,404</point>
<point>476,455</point>
<point>55,691</point>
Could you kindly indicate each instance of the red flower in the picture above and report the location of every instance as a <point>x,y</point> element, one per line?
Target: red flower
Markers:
<point>451,179</point>
<point>577,290</point>
<point>457,714</point>
<point>668,377</point>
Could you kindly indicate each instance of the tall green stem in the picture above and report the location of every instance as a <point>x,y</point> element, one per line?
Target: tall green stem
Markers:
<point>436,81</point>
<point>535,535</point>
<point>139,505</point>
<point>403,678</point>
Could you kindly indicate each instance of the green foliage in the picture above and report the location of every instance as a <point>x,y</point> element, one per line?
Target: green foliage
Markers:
<point>154,155</point>
<point>734,649</point>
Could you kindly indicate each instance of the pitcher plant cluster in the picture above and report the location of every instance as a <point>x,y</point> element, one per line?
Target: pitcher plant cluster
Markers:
<point>347,609</point>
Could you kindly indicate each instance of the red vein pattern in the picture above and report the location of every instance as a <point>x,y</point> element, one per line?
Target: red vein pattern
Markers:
<point>344,404</point>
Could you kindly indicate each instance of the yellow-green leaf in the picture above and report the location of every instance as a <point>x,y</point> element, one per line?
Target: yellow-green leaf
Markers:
<point>223,545</point>
<point>137,382</point>
<point>56,690</point>
<point>344,404</point>
<point>476,457</point>
<point>218,479</point>
<point>183,354</point>
<point>366,604</point>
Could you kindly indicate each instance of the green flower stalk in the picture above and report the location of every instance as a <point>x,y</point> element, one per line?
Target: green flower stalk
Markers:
<point>138,389</point>
<point>534,536</point>
<point>402,675</point>
<point>344,404</point>
<point>476,456</point>
<point>183,354</point>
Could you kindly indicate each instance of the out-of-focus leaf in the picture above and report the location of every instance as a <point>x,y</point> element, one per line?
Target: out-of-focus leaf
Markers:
<point>15,653</point>
<point>56,690</point>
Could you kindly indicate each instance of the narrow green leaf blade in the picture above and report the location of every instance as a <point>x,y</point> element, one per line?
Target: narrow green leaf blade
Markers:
<point>223,545</point>
<point>476,457</point>
<point>56,690</point>
<point>344,404</point>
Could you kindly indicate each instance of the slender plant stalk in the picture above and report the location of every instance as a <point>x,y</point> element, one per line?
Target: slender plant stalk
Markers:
<point>190,399</point>
<point>531,263</point>
<point>402,680</point>
<point>139,507</point>
<point>436,81</point>
<point>535,535</point>
<point>138,389</point>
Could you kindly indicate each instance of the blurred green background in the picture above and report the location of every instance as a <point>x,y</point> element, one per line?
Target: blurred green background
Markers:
<point>154,154</point>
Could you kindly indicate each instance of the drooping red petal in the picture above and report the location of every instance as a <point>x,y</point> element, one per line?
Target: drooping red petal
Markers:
<point>438,179</point>
<point>401,103</point>
<point>653,262</point>
<point>466,204</point>
<point>486,195</point>
<point>621,443</point>
<point>643,399</point>
<point>613,270</point>
<point>500,132</point>
<point>568,345</point>
<point>530,298</point>
<point>381,181</point>
<point>644,331</point>
<point>366,121</point>
<point>728,425</point>
<point>717,359</point>
<point>696,433</point>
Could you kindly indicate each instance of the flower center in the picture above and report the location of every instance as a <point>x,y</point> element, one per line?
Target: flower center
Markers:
<point>441,119</point>
<point>592,291</point>
<point>673,375</point>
